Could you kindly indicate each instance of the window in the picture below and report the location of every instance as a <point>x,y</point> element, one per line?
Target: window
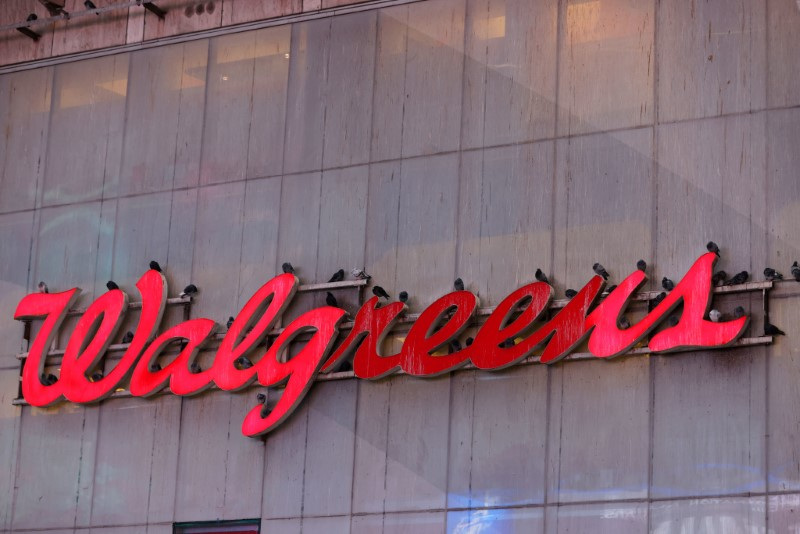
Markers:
<point>242,526</point>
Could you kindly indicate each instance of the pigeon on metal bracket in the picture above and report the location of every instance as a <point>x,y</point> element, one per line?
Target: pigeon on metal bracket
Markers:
<point>338,276</point>
<point>738,279</point>
<point>771,274</point>
<point>772,330</point>
<point>719,278</point>
<point>796,271</point>
<point>188,291</point>
<point>360,274</point>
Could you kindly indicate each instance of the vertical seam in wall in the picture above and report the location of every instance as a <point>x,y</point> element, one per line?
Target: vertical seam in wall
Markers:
<point>80,470</point>
<point>768,352</point>
<point>553,201</point>
<point>403,95</point>
<point>651,367</point>
<point>322,151</point>
<point>364,256</point>
<point>250,114</point>
<point>386,462</point>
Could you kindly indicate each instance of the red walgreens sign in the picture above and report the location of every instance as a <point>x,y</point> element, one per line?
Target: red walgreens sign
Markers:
<point>508,336</point>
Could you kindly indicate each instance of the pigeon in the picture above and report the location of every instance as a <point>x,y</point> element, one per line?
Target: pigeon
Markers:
<point>719,278</point>
<point>540,276</point>
<point>738,312</point>
<point>469,341</point>
<point>338,276</point>
<point>360,274</point>
<point>641,265</point>
<point>261,397</point>
<point>771,274</point>
<point>453,346</point>
<point>265,411</point>
<point>403,296</point>
<point>667,284</point>
<point>796,271</point>
<point>97,376</point>
<point>53,8</point>
<point>287,268</point>
<point>188,291</point>
<point>195,368</point>
<point>48,379</point>
<point>242,362</point>
<point>570,293</point>
<point>154,367</point>
<point>611,288</point>
<point>88,4</point>
<point>712,247</point>
<point>673,320</point>
<point>230,322</point>
<point>378,291</point>
<point>660,297</point>
<point>600,270</point>
<point>715,316</point>
<point>772,330</point>
<point>345,367</point>
<point>43,288</point>
<point>624,324</point>
<point>111,285</point>
<point>330,300</point>
<point>458,284</point>
<point>31,17</point>
<point>738,278</point>
<point>155,266</point>
<point>128,337</point>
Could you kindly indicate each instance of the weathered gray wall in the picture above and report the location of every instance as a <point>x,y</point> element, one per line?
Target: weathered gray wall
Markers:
<point>477,138</point>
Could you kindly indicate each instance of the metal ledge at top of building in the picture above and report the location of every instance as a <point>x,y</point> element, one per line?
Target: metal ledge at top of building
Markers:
<point>150,6</point>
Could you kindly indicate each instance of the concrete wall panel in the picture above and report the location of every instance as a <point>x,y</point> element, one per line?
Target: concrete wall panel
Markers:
<point>602,518</point>
<point>711,59</point>
<point>88,107</point>
<point>434,65</point>
<point>25,105</point>
<point>605,65</point>
<point>371,445</point>
<point>509,72</point>
<point>305,108</point>
<point>348,112</point>
<point>709,515</point>
<point>15,242</point>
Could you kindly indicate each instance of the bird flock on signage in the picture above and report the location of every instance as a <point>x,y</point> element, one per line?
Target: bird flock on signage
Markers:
<point>719,278</point>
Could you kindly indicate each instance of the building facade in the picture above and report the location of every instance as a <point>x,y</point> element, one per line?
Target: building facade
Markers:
<point>422,141</point>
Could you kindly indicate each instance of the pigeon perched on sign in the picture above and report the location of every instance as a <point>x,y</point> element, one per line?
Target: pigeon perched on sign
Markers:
<point>403,297</point>
<point>738,312</point>
<point>330,300</point>
<point>458,284</point>
<point>155,266</point>
<point>715,316</point>
<point>667,284</point>
<point>641,265</point>
<point>42,287</point>
<point>287,268</point>
<point>128,337</point>
<point>540,276</point>
<point>796,271</point>
<point>719,278</point>
<point>378,291</point>
<point>570,293</point>
<point>600,271</point>
<point>712,247</point>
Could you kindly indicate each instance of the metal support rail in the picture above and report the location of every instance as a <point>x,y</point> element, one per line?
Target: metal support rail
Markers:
<point>643,296</point>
